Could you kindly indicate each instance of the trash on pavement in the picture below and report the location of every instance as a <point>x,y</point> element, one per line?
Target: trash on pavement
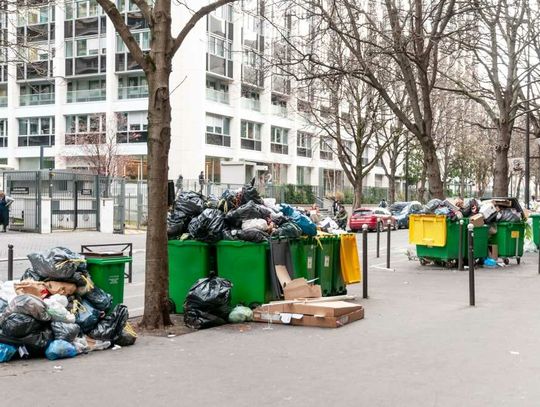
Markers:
<point>208,303</point>
<point>240,314</point>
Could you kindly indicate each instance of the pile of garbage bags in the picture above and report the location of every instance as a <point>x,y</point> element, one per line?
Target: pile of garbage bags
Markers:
<point>56,310</point>
<point>492,211</point>
<point>236,215</point>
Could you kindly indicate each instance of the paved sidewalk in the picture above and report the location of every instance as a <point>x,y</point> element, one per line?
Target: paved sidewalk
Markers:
<point>419,345</point>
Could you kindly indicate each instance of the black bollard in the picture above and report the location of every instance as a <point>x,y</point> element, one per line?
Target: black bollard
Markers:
<point>388,248</point>
<point>471,265</point>
<point>364,262</point>
<point>460,249</point>
<point>10,262</point>
<point>378,239</point>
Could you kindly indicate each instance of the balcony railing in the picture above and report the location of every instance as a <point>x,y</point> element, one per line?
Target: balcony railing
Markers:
<point>87,95</point>
<point>133,92</point>
<point>251,104</point>
<point>33,99</point>
<point>279,110</point>
<point>3,101</point>
<point>217,95</point>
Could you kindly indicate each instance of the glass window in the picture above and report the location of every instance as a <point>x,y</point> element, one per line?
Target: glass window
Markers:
<point>69,11</point>
<point>145,40</point>
<point>23,123</point>
<point>34,126</point>
<point>82,9</point>
<point>81,48</point>
<point>69,49</point>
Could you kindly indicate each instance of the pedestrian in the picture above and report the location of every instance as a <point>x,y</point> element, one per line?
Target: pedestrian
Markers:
<point>383,203</point>
<point>5,203</point>
<point>201,181</point>
<point>335,206</point>
<point>314,214</point>
<point>342,217</point>
<point>533,205</point>
<point>179,184</point>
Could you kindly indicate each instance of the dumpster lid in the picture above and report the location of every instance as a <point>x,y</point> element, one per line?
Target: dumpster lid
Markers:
<point>102,254</point>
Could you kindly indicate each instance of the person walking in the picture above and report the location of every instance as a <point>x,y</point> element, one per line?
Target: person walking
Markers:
<point>179,184</point>
<point>342,217</point>
<point>383,203</point>
<point>5,203</point>
<point>201,181</point>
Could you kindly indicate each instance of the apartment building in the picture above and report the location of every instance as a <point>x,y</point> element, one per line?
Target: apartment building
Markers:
<point>71,83</point>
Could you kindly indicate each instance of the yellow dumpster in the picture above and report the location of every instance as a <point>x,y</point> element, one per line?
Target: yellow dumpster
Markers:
<point>427,230</point>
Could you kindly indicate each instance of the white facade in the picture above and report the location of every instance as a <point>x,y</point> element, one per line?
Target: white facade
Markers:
<point>225,106</point>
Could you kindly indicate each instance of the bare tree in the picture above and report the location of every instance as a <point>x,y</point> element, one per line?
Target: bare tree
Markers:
<point>157,66</point>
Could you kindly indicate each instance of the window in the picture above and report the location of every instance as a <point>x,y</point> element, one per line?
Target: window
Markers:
<point>279,140</point>
<point>85,129</point>
<point>36,131</point>
<point>82,9</point>
<point>3,133</point>
<point>142,38</point>
<point>326,149</point>
<point>303,175</point>
<point>303,144</point>
<point>250,136</point>
<point>218,130</point>
<point>132,127</point>
<point>378,180</point>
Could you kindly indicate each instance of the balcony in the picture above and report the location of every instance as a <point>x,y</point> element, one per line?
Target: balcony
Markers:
<point>251,104</point>
<point>3,101</point>
<point>87,95</point>
<point>133,92</point>
<point>218,96</point>
<point>279,110</point>
<point>34,99</point>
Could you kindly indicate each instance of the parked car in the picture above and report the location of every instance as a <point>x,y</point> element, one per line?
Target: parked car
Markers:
<point>402,217</point>
<point>397,207</point>
<point>371,217</point>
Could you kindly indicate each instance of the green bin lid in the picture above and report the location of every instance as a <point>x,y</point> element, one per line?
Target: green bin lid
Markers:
<point>239,243</point>
<point>186,243</point>
<point>109,260</point>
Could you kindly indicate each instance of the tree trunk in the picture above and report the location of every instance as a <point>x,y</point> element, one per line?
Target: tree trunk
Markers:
<point>500,170</point>
<point>433,172</point>
<point>358,185</point>
<point>422,188</point>
<point>392,184</point>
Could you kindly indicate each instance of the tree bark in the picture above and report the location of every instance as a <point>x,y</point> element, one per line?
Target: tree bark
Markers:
<point>422,189</point>
<point>501,170</point>
<point>358,193</point>
<point>432,169</point>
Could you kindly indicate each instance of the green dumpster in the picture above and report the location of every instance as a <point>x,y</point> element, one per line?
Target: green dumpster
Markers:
<point>450,251</point>
<point>245,265</point>
<point>338,285</point>
<point>304,254</point>
<point>509,239</point>
<point>107,273</point>
<point>189,261</point>
<point>536,228</point>
<point>325,264</point>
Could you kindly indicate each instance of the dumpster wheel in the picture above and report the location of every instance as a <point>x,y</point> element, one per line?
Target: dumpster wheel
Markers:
<point>506,261</point>
<point>171,306</point>
<point>423,262</point>
<point>518,259</point>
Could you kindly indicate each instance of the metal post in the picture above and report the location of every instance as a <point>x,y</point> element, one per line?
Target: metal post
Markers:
<point>528,133</point>
<point>139,204</point>
<point>10,262</point>
<point>364,262</point>
<point>378,239</point>
<point>98,203</point>
<point>460,248</point>
<point>470,228</point>
<point>76,205</point>
<point>407,170</point>
<point>388,247</point>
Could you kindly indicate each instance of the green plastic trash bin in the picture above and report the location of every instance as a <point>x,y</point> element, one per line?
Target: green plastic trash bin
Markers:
<point>338,285</point>
<point>509,240</point>
<point>536,228</point>
<point>245,265</point>
<point>304,255</point>
<point>449,253</point>
<point>189,261</point>
<point>107,273</point>
<point>325,264</point>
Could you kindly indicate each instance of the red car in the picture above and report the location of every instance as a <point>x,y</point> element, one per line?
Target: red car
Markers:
<point>370,217</point>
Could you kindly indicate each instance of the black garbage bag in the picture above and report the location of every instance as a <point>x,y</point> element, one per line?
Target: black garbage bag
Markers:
<point>432,205</point>
<point>228,201</point>
<point>251,210</point>
<point>176,224</point>
<point>57,263</point>
<point>36,342</point>
<point>126,338</point>
<point>208,303</point>
<point>253,235</point>
<point>3,305</point>
<point>30,274</point>
<point>470,207</point>
<point>87,317</point>
<point>230,234</point>
<point>65,331</point>
<point>99,299</point>
<point>18,325</point>
<point>212,202</point>
<point>79,278</point>
<point>288,230</point>
<point>189,204</point>
<point>250,194</point>
<point>27,304</point>
<point>110,328</point>
<point>508,215</point>
<point>208,226</point>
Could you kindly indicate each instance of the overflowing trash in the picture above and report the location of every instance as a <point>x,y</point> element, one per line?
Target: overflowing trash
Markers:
<point>240,215</point>
<point>57,311</point>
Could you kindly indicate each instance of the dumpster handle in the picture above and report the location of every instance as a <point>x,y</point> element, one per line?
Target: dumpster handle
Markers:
<point>125,246</point>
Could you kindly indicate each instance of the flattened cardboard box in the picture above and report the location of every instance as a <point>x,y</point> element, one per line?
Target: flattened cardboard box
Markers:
<point>308,320</point>
<point>319,309</point>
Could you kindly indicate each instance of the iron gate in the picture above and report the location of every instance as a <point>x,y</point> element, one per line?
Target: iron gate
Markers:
<point>23,187</point>
<point>74,201</point>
